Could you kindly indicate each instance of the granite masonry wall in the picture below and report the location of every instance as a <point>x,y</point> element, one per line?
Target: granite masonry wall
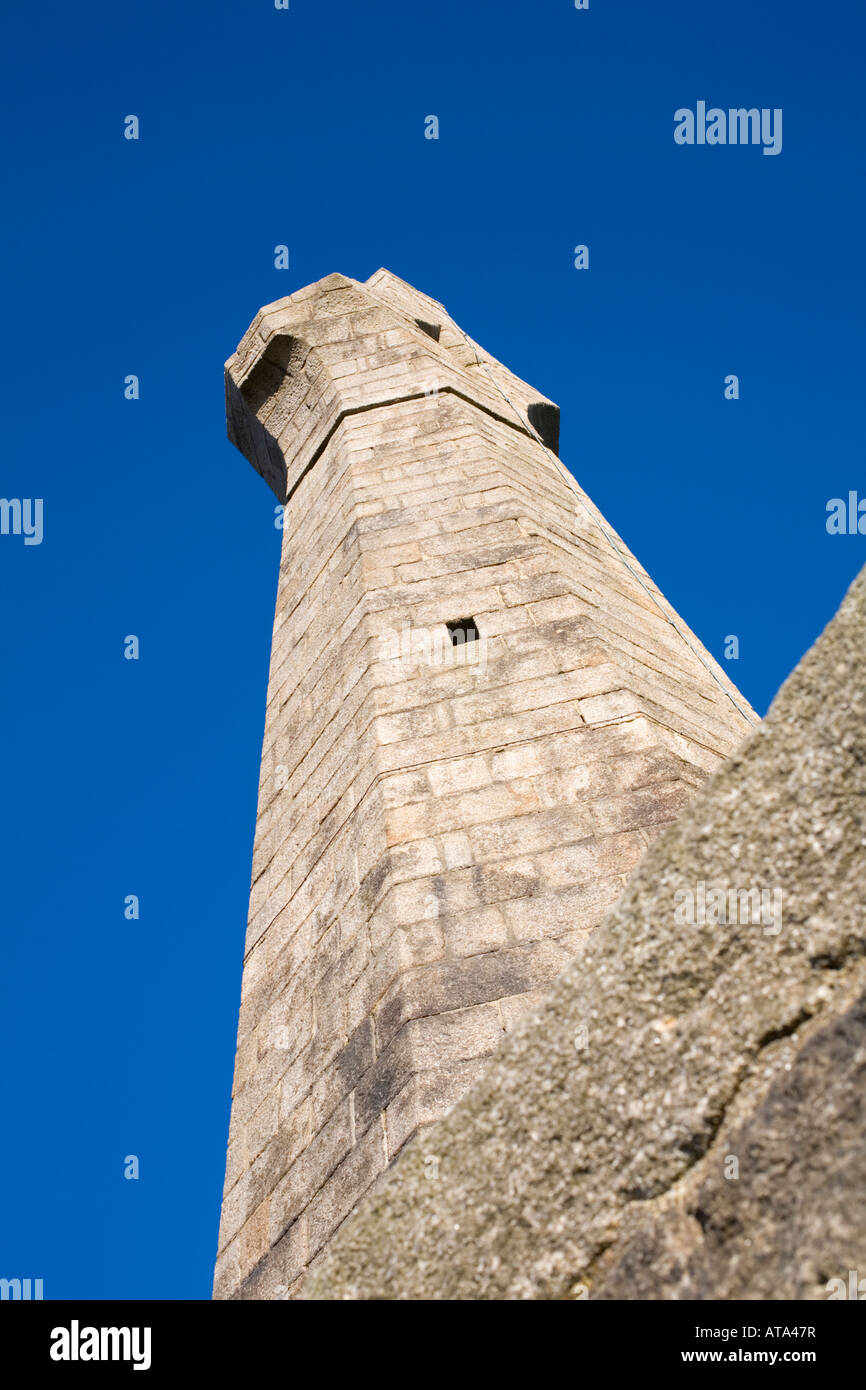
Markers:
<point>439,826</point>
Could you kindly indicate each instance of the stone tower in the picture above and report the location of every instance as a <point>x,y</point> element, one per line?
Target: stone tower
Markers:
<point>480,712</point>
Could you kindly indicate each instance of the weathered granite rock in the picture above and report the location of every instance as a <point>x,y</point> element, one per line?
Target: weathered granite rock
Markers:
<point>796,1216</point>
<point>683,1116</point>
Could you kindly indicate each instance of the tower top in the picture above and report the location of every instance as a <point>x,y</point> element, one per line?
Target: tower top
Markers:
<point>340,346</point>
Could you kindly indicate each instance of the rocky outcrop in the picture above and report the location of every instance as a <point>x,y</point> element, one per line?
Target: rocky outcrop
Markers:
<point>683,1116</point>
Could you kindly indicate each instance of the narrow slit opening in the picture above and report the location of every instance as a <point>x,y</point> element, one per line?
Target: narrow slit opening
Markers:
<point>462,630</point>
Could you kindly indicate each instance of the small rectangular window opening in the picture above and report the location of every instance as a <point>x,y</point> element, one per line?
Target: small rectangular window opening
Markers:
<point>462,630</point>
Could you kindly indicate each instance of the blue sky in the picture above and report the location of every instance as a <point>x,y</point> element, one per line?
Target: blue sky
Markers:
<point>306,127</point>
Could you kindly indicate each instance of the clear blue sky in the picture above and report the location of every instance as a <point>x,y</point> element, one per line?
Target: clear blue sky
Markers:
<point>305,127</point>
